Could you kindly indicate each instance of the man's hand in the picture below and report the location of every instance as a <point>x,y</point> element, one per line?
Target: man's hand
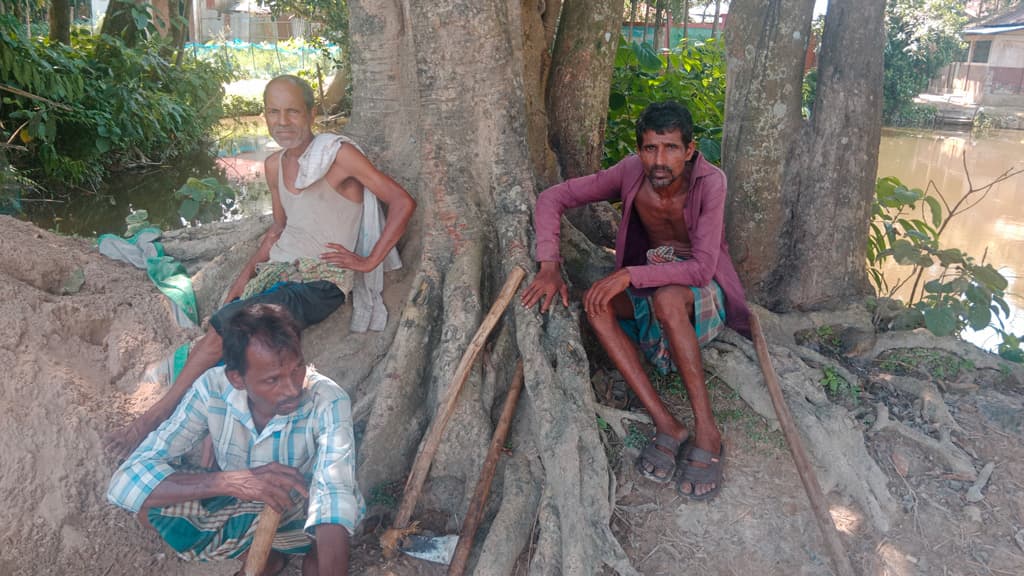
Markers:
<point>596,299</point>
<point>271,484</point>
<point>545,285</point>
<point>345,258</point>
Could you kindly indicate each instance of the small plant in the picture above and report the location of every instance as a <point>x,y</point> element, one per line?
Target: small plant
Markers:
<point>204,199</point>
<point>135,221</point>
<point>603,425</point>
<point>827,335</point>
<point>836,385</point>
<point>907,226</point>
<point>636,437</point>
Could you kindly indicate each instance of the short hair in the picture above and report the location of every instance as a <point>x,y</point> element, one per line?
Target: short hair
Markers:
<point>270,324</point>
<point>662,117</point>
<point>307,90</point>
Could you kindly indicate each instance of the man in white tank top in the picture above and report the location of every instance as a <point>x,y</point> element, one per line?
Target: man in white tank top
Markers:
<point>308,255</point>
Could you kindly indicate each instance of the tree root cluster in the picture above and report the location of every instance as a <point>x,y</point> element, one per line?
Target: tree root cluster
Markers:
<point>558,483</point>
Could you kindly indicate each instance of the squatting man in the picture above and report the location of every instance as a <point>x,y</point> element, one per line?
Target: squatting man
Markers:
<point>673,289</point>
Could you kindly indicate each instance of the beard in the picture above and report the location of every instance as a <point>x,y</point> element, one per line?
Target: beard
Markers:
<point>663,176</point>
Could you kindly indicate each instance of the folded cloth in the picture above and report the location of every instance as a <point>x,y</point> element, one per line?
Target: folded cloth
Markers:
<point>368,310</point>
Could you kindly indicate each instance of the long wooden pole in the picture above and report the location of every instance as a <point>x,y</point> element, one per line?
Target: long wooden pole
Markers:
<point>266,527</point>
<point>840,560</point>
<point>428,448</point>
<point>483,486</point>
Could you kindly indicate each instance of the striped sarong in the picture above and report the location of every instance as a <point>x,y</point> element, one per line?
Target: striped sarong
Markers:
<point>646,331</point>
<point>222,527</point>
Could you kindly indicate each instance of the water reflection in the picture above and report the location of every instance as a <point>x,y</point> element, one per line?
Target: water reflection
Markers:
<point>995,227</point>
<point>240,147</point>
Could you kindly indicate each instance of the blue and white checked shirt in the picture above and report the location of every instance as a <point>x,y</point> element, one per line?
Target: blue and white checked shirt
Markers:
<point>316,438</point>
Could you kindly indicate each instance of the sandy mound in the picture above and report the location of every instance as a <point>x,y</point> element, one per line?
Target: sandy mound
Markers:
<point>78,332</point>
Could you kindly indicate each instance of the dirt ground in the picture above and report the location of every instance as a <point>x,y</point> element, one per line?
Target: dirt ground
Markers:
<point>79,331</point>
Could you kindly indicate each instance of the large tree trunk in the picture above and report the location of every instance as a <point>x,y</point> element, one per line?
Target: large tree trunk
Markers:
<point>577,100</point>
<point>801,190</point>
<point>445,115</point>
<point>60,21</point>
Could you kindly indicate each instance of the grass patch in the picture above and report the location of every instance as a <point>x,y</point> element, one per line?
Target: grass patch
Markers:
<point>936,364</point>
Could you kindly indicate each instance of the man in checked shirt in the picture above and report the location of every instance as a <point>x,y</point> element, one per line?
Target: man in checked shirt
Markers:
<point>282,437</point>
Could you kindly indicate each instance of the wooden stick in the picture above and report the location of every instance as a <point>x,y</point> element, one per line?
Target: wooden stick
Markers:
<point>432,440</point>
<point>483,485</point>
<point>840,560</point>
<point>266,527</point>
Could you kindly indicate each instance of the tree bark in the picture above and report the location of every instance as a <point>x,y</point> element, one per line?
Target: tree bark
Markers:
<point>800,206</point>
<point>445,115</point>
<point>831,178</point>
<point>763,91</point>
<point>60,21</point>
<point>577,102</point>
<point>718,12</point>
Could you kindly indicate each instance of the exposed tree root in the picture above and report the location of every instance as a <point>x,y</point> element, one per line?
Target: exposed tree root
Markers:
<point>929,403</point>
<point>834,439</point>
<point>959,463</point>
<point>815,360</point>
<point>614,418</point>
<point>922,338</point>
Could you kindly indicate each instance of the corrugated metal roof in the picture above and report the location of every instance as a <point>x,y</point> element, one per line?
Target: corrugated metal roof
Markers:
<point>993,30</point>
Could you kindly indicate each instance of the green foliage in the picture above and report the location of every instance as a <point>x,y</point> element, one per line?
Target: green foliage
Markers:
<point>268,59</point>
<point>906,227</point>
<point>137,220</point>
<point>204,200</point>
<point>692,75</point>
<point>236,105</point>
<point>106,105</point>
<point>836,385</point>
<point>635,438</point>
<point>331,14</point>
<point>928,362</point>
<point>921,38</point>
<point>809,91</point>
<point>914,115</point>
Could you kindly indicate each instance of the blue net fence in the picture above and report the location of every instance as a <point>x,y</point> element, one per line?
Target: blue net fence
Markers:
<point>267,59</point>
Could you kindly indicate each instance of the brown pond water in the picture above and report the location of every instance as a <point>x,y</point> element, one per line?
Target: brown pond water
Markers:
<point>995,227</point>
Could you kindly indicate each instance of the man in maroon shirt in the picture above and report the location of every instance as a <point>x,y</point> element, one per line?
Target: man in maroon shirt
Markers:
<point>673,287</point>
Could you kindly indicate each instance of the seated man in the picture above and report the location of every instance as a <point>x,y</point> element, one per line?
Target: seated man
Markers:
<point>673,288</point>
<point>282,434</point>
<point>321,213</point>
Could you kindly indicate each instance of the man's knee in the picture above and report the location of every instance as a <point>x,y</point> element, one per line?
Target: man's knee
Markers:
<point>673,304</point>
<point>601,323</point>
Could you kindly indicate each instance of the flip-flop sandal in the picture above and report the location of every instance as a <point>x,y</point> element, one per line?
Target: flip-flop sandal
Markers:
<point>660,453</point>
<point>709,473</point>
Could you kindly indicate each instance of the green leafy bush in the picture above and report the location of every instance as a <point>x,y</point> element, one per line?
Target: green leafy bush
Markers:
<point>99,105</point>
<point>692,75</point>
<point>204,199</point>
<point>906,227</point>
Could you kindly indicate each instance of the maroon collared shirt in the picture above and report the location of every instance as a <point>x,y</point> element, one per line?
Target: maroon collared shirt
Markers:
<point>705,222</point>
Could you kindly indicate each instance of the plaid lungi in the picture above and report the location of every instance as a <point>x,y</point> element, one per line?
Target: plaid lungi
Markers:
<point>301,270</point>
<point>646,331</point>
<point>222,527</point>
